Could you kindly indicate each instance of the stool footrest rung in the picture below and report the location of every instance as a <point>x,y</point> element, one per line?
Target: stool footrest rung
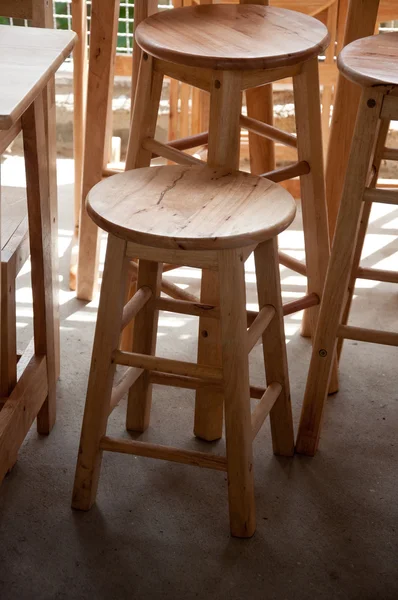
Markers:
<point>166,365</point>
<point>263,408</point>
<point>169,453</point>
<point>381,195</point>
<point>290,307</point>
<point>121,388</point>
<point>170,153</point>
<point>290,172</point>
<point>185,307</point>
<point>300,304</point>
<point>390,153</point>
<point>378,275</point>
<point>182,381</point>
<point>292,263</point>
<point>192,141</point>
<point>166,286</point>
<point>259,325</point>
<point>374,336</point>
<point>135,304</point>
<point>194,383</point>
<point>268,131</point>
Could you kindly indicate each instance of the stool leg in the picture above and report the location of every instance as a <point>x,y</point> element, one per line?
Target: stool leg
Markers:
<point>144,342</point>
<point>260,106</point>
<point>366,209</point>
<point>104,16</point>
<point>313,203</point>
<point>102,371</point>
<point>340,266</point>
<point>144,118</point>
<point>41,247</point>
<point>224,140</point>
<point>235,366</point>
<point>274,345</point>
<point>145,114</point>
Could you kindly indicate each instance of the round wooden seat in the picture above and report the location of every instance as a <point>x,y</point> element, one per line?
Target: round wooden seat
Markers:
<point>236,37</point>
<point>372,60</point>
<point>190,207</point>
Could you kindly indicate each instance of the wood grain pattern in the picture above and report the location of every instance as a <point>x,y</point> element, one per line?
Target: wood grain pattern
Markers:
<point>232,36</point>
<point>372,60</point>
<point>339,270</point>
<point>102,370</point>
<point>28,59</point>
<point>190,207</point>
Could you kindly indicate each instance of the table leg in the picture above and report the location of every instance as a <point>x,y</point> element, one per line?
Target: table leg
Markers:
<point>80,65</point>
<point>42,236</point>
<point>361,21</point>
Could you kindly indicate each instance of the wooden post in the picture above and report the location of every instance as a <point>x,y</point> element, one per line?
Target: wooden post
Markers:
<point>41,234</point>
<point>224,141</point>
<point>332,304</point>
<point>238,430</point>
<point>144,342</point>
<point>274,345</point>
<point>80,65</point>
<point>361,20</point>
<point>103,18</point>
<point>102,371</point>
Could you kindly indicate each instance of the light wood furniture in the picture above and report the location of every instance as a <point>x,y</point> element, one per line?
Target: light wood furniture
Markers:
<point>228,214</point>
<point>102,56</point>
<point>371,63</point>
<point>15,227</point>
<point>102,66</point>
<point>358,18</point>
<point>225,49</point>
<point>29,57</point>
<point>189,107</point>
<point>80,69</point>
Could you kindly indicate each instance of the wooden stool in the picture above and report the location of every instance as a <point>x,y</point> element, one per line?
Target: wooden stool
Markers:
<point>225,49</point>
<point>227,215</point>
<point>373,64</point>
<point>29,58</point>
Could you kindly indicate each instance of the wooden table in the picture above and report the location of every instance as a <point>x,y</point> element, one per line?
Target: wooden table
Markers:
<point>29,58</point>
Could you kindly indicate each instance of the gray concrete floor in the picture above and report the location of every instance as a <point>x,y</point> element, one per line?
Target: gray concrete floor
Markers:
<point>327,526</point>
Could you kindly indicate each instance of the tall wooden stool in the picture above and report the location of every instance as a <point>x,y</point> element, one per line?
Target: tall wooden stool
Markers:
<point>227,215</point>
<point>373,64</point>
<point>225,49</point>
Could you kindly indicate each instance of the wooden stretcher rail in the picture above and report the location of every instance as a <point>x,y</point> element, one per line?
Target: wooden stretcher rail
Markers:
<point>193,141</point>
<point>390,154</point>
<point>378,275</point>
<point>175,367</point>
<point>259,325</point>
<point>183,307</point>
<point>187,457</point>
<point>290,172</point>
<point>292,263</point>
<point>268,131</point>
<point>373,336</point>
<point>263,408</point>
<point>383,196</point>
<point>166,151</point>
<point>124,385</point>
<point>134,305</point>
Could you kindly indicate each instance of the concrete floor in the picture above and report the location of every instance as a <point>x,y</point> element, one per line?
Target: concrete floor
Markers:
<point>326,526</point>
